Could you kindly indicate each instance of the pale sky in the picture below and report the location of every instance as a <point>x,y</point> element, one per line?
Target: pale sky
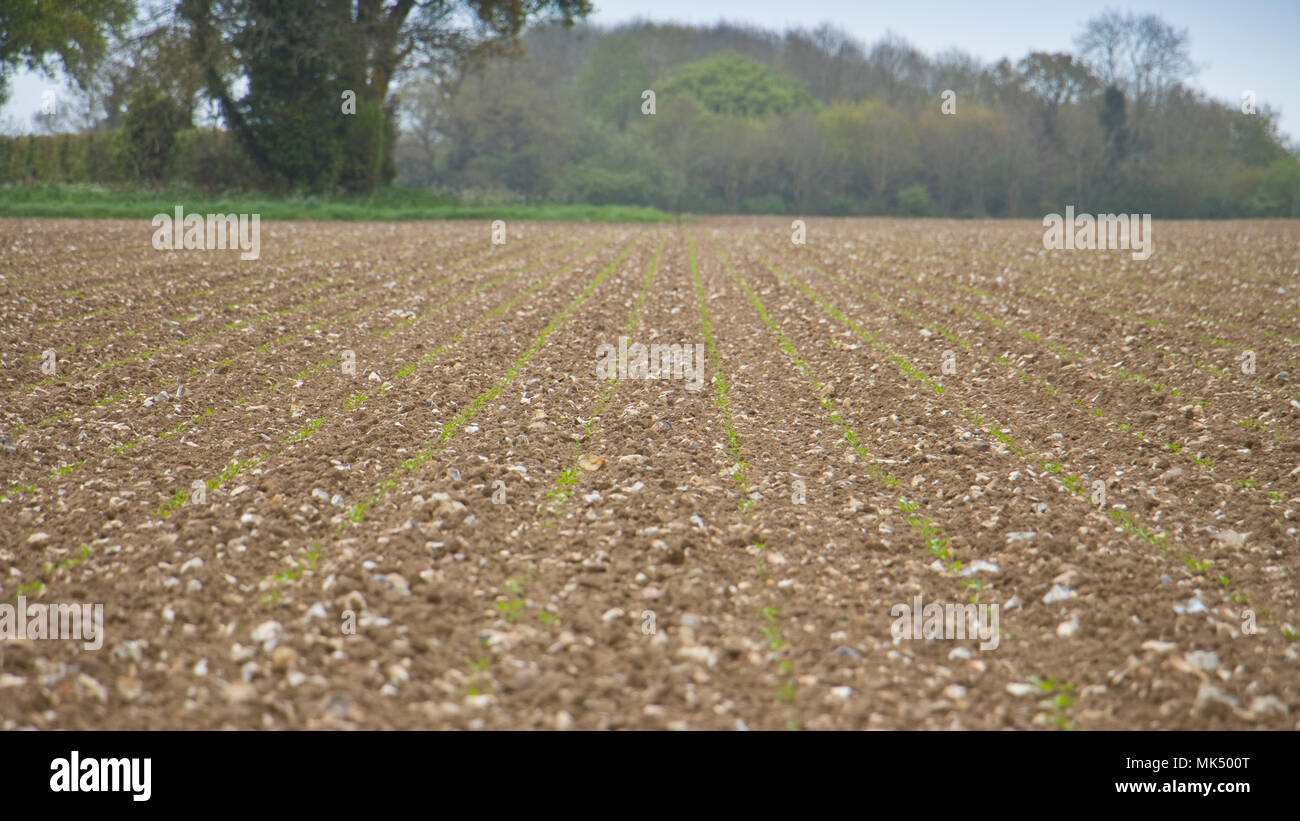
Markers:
<point>1248,44</point>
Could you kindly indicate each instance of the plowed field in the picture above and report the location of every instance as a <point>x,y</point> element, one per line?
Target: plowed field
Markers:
<point>374,478</point>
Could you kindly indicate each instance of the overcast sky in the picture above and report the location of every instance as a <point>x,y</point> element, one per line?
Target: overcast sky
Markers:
<point>1248,44</point>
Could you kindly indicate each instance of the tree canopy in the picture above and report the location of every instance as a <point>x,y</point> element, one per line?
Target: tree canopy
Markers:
<point>738,86</point>
<point>68,34</point>
<point>300,59</point>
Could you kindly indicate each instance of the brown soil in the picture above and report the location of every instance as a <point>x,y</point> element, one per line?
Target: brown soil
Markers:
<point>473,530</point>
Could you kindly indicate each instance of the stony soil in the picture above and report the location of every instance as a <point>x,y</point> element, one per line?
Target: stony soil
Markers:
<point>471,529</point>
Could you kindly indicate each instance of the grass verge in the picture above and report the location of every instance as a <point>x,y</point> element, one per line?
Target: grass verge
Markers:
<point>97,202</point>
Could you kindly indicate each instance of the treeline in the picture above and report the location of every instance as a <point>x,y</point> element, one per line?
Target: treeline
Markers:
<point>722,119</point>
<point>749,121</point>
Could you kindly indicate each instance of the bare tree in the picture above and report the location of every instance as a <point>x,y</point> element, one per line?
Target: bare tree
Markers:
<point>1160,58</point>
<point>899,64</point>
<point>1141,55</point>
<point>1102,44</point>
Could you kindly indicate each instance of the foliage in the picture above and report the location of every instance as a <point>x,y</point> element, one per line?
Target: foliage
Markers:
<point>736,85</point>
<point>300,59</point>
<point>610,87</point>
<point>914,201</point>
<point>152,121</point>
<point>812,123</point>
<point>1279,191</point>
<point>73,31</point>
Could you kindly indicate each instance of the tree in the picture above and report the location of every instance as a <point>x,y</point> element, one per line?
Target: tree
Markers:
<point>962,157</point>
<point>152,53</point>
<point>152,120</point>
<point>1279,192</point>
<point>1083,145</point>
<point>506,129</point>
<point>1142,56</point>
<point>1256,140</point>
<point>425,104</point>
<point>672,129</point>
<point>729,154</point>
<point>1112,119</point>
<point>959,72</point>
<point>804,154</point>
<point>611,85</point>
<point>827,60</point>
<point>1054,80</point>
<point>914,201</point>
<point>73,31</point>
<point>1103,42</point>
<point>875,141</point>
<point>901,69</point>
<point>299,59</point>
<point>738,86</point>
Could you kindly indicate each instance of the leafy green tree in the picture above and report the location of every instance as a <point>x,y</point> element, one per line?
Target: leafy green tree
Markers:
<point>73,31</point>
<point>1054,80</point>
<point>914,201</point>
<point>299,58</point>
<point>738,86</point>
<point>1255,137</point>
<point>1279,192</point>
<point>152,54</point>
<point>152,121</point>
<point>290,121</point>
